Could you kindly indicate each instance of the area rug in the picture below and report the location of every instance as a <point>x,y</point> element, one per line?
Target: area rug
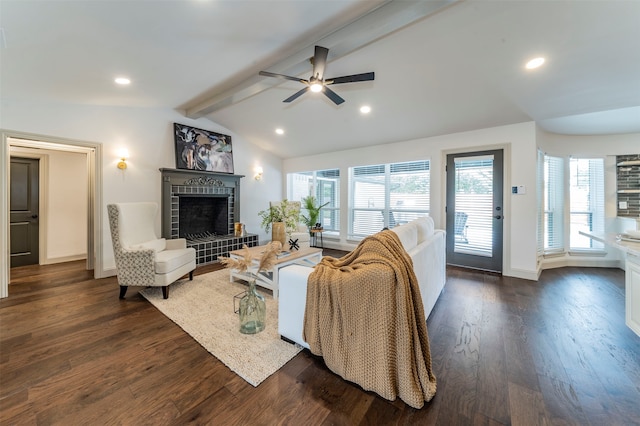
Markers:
<point>204,309</point>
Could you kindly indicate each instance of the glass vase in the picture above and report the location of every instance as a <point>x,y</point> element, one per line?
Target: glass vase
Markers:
<point>253,311</point>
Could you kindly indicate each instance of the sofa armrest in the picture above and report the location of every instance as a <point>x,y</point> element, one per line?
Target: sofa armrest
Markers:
<point>175,244</point>
<point>292,302</point>
<point>429,264</point>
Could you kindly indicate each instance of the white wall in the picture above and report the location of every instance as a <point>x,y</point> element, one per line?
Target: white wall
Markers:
<point>147,134</point>
<point>519,141</point>
<point>67,209</point>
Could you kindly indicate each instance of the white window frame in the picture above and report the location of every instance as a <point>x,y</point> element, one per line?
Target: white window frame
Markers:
<point>389,215</point>
<point>330,214</point>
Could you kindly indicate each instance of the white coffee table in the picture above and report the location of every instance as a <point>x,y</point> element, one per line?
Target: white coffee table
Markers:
<point>269,279</point>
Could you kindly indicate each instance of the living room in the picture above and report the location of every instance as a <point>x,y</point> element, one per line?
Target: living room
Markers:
<point>528,344</point>
<point>147,135</point>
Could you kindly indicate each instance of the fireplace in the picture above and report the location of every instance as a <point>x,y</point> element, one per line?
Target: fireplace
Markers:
<point>200,216</point>
<point>202,207</point>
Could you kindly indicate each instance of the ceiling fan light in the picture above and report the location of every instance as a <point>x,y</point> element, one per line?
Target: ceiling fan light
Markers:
<point>316,87</point>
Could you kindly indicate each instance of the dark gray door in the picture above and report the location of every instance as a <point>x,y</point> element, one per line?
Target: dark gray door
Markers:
<point>474,209</point>
<point>24,211</point>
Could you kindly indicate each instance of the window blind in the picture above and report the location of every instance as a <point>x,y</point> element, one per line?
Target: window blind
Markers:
<point>540,203</point>
<point>553,204</point>
<point>586,194</point>
<point>387,195</point>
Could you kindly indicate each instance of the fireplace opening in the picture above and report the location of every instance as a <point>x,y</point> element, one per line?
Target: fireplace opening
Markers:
<point>203,216</point>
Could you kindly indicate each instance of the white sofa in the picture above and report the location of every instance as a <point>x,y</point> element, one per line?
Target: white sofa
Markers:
<point>425,245</point>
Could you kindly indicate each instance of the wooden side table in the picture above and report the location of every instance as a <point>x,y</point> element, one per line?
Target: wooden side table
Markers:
<point>314,237</point>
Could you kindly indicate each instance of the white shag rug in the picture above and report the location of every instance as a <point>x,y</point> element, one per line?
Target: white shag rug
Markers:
<point>204,309</point>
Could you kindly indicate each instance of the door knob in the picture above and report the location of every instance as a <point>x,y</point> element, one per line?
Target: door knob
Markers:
<point>498,217</point>
<point>34,216</point>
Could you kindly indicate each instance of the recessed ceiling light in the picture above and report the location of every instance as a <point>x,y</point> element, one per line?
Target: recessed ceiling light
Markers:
<point>534,63</point>
<point>280,131</point>
<point>122,80</point>
<point>365,109</point>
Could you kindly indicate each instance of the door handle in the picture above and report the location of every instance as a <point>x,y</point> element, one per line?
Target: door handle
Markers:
<point>34,216</point>
<point>497,217</point>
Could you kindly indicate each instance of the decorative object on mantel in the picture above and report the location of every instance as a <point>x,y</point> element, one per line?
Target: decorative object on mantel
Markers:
<point>252,305</point>
<point>198,149</point>
<point>239,229</point>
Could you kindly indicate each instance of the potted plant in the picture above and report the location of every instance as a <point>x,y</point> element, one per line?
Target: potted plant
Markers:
<point>311,205</point>
<point>284,213</point>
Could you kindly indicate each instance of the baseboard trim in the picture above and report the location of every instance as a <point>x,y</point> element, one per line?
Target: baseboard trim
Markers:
<point>112,272</point>
<point>523,274</point>
<point>585,263</point>
<point>54,260</point>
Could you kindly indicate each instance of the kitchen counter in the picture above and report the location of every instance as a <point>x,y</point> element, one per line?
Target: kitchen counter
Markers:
<point>612,240</point>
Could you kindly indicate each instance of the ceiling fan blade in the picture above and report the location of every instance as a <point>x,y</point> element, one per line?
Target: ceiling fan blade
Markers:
<point>332,95</point>
<point>319,61</point>
<point>286,77</point>
<point>296,95</point>
<point>367,76</point>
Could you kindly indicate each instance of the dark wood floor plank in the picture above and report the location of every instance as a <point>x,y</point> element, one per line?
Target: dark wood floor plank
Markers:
<point>527,406</point>
<point>492,398</point>
<point>504,350</point>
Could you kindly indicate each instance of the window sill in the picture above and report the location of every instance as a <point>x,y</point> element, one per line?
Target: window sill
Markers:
<point>587,253</point>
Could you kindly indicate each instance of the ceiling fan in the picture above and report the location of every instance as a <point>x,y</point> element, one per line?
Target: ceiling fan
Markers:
<point>317,82</point>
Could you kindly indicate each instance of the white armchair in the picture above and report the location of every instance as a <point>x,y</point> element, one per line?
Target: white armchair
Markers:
<point>143,259</point>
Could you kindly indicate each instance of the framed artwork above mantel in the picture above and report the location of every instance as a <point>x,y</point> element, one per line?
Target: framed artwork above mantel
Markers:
<point>202,150</point>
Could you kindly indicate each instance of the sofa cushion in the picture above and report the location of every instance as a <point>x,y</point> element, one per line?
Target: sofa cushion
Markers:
<point>426,228</point>
<point>156,245</point>
<point>408,235</point>
<point>169,260</point>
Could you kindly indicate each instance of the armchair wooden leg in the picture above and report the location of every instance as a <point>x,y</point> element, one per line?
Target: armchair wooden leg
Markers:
<point>165,291</point>
<point>123,291</point>
<point>191,276</point>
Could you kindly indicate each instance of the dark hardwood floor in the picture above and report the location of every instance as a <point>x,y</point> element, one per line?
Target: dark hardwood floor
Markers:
<point>505,351</point>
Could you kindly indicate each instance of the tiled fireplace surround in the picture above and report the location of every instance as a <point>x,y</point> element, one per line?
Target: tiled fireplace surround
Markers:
<point>177,184</point>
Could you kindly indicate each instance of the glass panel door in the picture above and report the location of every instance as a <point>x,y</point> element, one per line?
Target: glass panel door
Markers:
<point>474,210</point>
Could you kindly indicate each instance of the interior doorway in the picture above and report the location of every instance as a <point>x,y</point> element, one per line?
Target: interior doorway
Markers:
<point>475,210</point>
<point>93,152</point>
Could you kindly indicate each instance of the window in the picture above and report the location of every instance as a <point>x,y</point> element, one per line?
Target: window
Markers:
<point>585,184</point>
<point>553,204</point>
<point>325,186</point>
<point>586,193</point>
<point>386,195</point>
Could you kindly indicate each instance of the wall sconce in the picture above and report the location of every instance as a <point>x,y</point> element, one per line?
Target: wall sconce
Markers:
<point>258,171</point>
<point>122,164</point>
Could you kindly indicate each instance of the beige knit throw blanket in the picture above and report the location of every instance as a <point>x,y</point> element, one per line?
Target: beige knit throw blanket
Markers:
<point>364,316</point>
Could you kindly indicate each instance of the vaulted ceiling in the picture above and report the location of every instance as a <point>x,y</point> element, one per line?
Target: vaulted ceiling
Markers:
<point>440,66</point>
